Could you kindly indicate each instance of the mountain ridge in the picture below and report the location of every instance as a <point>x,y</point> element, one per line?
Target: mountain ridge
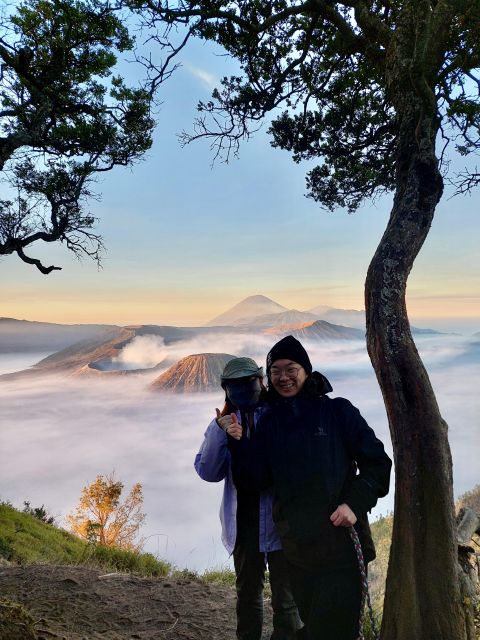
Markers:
<point>255,310</point>
<point>17,336</point>
<point>290,316</point>
<point>316,330</point>
<point>99,351</point>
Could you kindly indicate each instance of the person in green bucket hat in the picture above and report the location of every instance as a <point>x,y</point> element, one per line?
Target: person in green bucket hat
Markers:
<point>248,531</point>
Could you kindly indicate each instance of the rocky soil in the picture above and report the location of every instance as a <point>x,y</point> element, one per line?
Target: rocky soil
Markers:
<point>78,603</point>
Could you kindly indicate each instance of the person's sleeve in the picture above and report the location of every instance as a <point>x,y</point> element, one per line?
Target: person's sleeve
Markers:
<point>374,466</point>
<point>249,458</point>
<point>213,459</point>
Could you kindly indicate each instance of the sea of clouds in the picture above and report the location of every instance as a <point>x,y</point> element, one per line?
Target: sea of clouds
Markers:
<point>58,434</point>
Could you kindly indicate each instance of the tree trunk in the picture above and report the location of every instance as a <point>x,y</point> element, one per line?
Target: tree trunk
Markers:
<point>422,600</point>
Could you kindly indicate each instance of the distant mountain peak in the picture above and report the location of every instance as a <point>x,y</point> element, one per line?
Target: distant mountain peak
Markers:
<point>259,298</point>
<point>250,307</point>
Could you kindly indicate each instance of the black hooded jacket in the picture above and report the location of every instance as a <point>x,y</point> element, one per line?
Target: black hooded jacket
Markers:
<point>318,453</point>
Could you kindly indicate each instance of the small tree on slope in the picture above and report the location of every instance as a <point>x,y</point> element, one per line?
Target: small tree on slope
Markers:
<point>102,517</point>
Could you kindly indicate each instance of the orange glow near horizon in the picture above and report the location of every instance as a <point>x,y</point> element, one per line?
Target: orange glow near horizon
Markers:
<point>197,308</point>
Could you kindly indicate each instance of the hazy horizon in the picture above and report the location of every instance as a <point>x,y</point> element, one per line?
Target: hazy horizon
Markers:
<point>467,325</point>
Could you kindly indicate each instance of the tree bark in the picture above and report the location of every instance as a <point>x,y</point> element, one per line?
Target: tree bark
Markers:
<point>468,524</point>
<point>422,600</point>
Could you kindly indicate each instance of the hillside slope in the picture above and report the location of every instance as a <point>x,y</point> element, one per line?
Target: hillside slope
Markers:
<point>19,336</point>
<point>96,596</point>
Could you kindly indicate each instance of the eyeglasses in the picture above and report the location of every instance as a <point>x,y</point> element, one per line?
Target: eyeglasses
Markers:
<point>290,372</point>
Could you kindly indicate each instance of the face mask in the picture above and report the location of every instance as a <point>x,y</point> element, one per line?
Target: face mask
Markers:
<point>244,393</point>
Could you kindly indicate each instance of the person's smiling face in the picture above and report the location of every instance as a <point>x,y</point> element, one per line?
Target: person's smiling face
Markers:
<point>287,377</point>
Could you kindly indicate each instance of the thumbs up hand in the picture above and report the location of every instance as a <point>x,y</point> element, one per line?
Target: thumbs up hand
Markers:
<point>235,429</point>
<point>230,424</point>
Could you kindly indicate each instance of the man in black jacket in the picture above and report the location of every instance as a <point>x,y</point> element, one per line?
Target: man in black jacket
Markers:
<point>327,469</point>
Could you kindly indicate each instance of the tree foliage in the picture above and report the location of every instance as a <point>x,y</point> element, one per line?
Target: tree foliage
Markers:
<point>339,71</point>
<point>102,517</point>
<point>64,118</point>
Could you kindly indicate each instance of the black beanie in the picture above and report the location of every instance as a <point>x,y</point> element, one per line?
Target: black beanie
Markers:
<point>289,348</point>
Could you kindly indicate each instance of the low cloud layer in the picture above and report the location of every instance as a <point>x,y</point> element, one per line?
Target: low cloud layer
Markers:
<point>143,352</point>
<point>57,435</point>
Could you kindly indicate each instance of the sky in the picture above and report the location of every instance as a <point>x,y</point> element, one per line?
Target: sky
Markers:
<point>187,240</point>
<point>70,429</point>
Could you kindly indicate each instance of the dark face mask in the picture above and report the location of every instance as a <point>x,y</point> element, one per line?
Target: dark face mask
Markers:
<point>244,393</point>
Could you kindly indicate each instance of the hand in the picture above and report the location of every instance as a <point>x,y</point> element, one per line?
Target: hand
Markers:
<point>230,424</point>
<point>343,516</point>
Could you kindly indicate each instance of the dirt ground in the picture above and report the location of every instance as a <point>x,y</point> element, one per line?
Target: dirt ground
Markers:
<point>77,603</point>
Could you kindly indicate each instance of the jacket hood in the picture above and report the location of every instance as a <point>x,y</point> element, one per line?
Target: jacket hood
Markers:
<point>316,385</point>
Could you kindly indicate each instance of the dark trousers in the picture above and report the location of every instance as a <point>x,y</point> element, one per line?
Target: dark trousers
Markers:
<point>250,569</point>
<point>328,602</point>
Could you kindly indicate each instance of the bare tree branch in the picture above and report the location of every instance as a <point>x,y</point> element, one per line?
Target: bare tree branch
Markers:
<point>36,262</point>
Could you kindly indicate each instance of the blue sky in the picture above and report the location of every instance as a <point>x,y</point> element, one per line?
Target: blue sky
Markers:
<point>186,240</point>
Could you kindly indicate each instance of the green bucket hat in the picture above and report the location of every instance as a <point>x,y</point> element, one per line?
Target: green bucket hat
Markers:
<point>240,368</point>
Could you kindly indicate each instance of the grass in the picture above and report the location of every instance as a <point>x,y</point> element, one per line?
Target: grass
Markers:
<point>26,540</point>
<point>220,576</point>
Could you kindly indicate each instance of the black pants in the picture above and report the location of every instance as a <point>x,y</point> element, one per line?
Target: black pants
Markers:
<point>250,568</point>
<point>328,602</point>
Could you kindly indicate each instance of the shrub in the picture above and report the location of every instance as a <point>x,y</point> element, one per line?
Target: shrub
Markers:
<point>38,512</point>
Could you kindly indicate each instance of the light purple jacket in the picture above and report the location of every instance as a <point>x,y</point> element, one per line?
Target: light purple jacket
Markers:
<point>212,463</point>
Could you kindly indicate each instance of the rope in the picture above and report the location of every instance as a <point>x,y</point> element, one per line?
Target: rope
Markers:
<point>365,593</point>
